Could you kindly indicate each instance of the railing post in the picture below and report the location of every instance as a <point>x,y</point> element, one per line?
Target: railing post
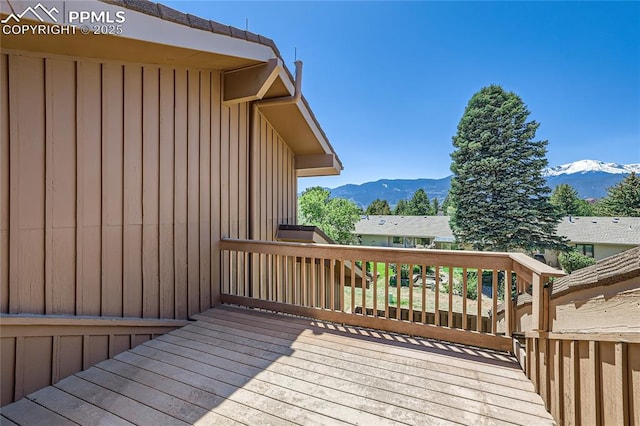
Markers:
<point>539,306</point>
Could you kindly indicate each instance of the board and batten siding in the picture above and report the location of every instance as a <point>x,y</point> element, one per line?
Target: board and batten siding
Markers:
<point>117,180</point>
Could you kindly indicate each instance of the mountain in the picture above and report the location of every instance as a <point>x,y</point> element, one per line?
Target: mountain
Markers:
<point>590,178</point>
<point>392,190</point>
<point>592,166</point>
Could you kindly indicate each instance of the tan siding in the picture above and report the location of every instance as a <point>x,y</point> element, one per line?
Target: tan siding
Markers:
<point>70,355</point>
<point>111,187</point>
<point>37,361</point>
<point>586,381</point>
<point>116,183</point>
<point>112,173</point>
<point>4,184</point>
<point>180,191</point>
<point>132,202</point>
<point>205,191</point>
<point>166,189</point>
<point>88,262</point>
<point>61,171</point>
<point>216,129</point>
<point>193,191</point>
<point>7,369</point>
<point>27,145</point>
<point>150,192</point>
<point>274,182</point>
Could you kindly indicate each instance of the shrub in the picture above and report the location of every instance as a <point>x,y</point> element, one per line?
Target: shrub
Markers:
<point>572,261</point>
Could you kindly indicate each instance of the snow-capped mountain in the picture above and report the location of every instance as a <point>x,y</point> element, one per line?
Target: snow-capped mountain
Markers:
<point>590,178</point>
<point>586,166</point>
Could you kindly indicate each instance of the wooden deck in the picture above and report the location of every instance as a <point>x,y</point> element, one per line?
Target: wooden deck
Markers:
<point>241,366</point>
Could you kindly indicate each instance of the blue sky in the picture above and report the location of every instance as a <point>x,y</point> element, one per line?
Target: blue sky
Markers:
<point>389,81</point>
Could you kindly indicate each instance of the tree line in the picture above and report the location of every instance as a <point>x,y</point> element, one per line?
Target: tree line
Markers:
<point>417,205</point>
<point>622,199</point>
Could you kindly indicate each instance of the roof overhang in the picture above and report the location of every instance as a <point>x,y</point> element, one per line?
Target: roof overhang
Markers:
<point>294,121</point>
<point>143,39</point>
<point>252,70</point>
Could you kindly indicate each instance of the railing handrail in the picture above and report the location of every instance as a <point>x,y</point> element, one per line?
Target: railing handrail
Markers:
<point>534,266</point>
<point>455,258</point>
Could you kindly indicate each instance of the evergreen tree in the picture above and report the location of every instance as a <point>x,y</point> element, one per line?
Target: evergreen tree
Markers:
<point>500,197</point>
<point>378,207</point>
<point>336,217</point>
<point>436,206</point>
<point>565,200</point>
<point>447,208</point>
<point>623,199</point>
<point>419,204</point>
<point>585,209</point>
<point>402,208</point>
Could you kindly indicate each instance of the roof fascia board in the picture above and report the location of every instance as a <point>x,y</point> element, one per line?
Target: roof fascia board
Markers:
<point>317,165</point>
<point>156,30</point>
<point>152,29</point>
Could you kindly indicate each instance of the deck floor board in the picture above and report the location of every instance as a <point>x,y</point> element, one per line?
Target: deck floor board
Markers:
<point>242,366</point>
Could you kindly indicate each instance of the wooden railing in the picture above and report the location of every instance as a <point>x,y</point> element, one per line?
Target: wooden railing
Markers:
<point>586,378</point>
<point>366,286</point>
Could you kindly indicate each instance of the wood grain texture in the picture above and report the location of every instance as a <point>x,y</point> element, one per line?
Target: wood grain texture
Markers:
<point>132,184</point>
<point>150,192</point>
<point>4,183</point>
<point>241,366</point>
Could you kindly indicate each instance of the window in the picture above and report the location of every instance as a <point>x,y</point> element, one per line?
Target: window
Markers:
<point>397,240</point>
<point>424,241</point>
<point>586,249</point>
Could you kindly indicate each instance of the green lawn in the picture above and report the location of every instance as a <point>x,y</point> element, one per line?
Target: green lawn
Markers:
<point>405,292</point>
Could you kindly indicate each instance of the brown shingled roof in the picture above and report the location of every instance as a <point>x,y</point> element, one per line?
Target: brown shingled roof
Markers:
<point>611,270</point>
<point>621,267</point>
<point>169,14</point>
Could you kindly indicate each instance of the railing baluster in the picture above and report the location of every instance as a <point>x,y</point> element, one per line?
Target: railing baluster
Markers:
<point>364,287</point>
<point>323,294</point>
<point>423,306</point>
<point>386,289</point>
<point>464,298</point>
<point>332,284</point>
<point>450,319</point>
<point>342,300</point>
<point>410,293</point>
<point>479,313</point>
<point>494,308</point>
<point>508,303</point>
<point>436,319</point>
<point>312,272</point>
<point>303,287</point>
<point>353,286</point>
<point>374,280</point>
<point>398,290</point>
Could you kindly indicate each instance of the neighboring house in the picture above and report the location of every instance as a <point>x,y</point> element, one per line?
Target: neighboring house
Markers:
<point>404,231</point>
<point>598,237</point>
<point>124,160</point>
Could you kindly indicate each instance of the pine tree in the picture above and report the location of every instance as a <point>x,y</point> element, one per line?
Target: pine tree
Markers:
<point>565,200</point>
<point>378,207</point>
<point>500,197</point>
<point>402,208</point>
<point>436,206</point>
<point>419,204</point>
<point>623,199</point>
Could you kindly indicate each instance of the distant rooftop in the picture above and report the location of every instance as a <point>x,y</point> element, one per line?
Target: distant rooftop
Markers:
<point>601,230</point>
<point>578,229</point>
<point>404,226</point>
